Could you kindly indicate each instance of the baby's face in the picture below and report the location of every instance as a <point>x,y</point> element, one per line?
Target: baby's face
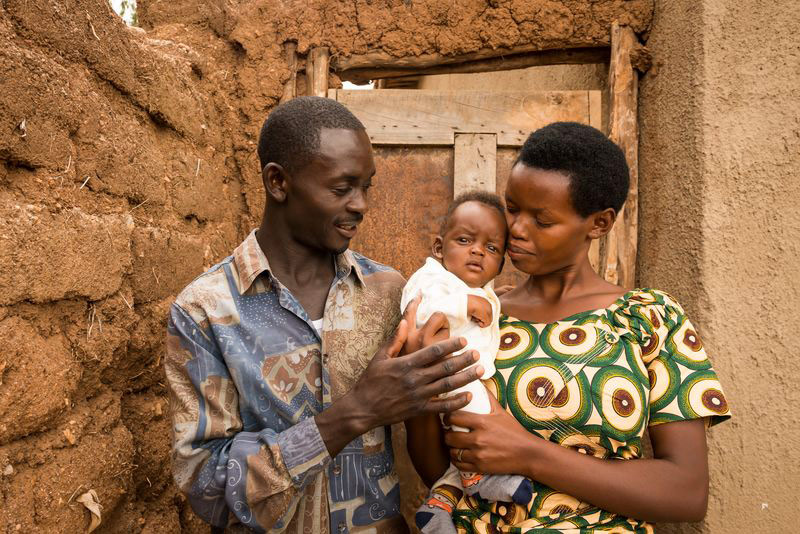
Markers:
<point>473,244</point>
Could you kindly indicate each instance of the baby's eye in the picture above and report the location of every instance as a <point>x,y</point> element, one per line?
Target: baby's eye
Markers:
<point>492,248</point>
<point>463,240</point>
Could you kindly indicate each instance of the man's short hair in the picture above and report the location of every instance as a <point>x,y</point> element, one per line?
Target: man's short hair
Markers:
<point>596,167</point>
<point>290,134</point>
<point>476,195</point>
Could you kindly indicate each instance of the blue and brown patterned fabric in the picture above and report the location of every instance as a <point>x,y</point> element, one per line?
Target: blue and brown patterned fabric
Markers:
<point>593,382</point>
<point>247,372</point>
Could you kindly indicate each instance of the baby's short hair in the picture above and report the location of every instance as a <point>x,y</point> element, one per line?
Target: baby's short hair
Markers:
<point>475,195</point>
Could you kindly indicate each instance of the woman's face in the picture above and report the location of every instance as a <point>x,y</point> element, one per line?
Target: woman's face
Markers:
<point>545,234</point>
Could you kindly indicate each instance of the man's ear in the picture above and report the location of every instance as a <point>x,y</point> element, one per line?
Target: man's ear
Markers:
<point>276,181</point>
<point>436,248</point>
<point>601,223</point>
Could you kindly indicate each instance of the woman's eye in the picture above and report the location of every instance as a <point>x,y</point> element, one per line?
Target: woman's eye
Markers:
<point>543,224</point>
<point>341,191</point>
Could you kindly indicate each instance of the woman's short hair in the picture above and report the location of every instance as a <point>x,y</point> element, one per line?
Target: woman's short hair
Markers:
<point>596,167</point>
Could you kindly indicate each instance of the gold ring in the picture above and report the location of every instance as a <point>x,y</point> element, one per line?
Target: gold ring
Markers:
<point>460,452</point>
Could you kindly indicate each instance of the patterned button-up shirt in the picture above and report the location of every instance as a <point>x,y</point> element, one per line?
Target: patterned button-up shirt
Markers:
<point>248,372</point>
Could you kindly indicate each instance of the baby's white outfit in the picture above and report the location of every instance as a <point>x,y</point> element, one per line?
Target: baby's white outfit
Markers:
<point>444,292</point>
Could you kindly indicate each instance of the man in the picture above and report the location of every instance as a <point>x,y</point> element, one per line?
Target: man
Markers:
<point>283,372</point>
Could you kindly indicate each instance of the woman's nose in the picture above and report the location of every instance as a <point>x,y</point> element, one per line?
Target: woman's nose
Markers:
<point>517,229</point>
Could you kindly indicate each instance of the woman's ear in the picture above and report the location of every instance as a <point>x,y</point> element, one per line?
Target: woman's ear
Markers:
<point>601,223</point>
<point>276,181</point>
<point>436,248</point>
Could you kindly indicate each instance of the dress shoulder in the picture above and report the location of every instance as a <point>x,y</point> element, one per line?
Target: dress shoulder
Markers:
<point>683,382</point>
<point>642,313</point>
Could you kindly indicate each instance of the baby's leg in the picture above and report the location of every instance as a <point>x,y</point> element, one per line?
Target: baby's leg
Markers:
<point>435,514</point>
<point>504,488</point>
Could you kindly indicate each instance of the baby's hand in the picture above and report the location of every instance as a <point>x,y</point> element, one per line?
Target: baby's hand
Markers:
<point>479,310</point>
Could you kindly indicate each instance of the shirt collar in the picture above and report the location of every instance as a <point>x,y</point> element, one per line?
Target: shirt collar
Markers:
<point>250,262</point>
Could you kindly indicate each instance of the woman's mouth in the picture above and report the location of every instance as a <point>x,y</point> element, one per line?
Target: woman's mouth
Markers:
<point>516,251</point>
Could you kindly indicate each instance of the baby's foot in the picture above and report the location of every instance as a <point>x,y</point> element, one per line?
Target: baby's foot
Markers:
<point>434,516</point>
<point>505,488</point>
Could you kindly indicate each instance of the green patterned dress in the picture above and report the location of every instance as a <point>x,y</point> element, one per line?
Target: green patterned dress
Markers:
<point>593,382</point>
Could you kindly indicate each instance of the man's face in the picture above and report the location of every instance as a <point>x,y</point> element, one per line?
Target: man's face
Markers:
<point>327,199</point>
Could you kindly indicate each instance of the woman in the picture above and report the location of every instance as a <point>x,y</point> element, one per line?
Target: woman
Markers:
<point>584,368</point>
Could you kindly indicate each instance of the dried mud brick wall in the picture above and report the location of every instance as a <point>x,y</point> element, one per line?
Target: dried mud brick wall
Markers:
<point>127,167</point>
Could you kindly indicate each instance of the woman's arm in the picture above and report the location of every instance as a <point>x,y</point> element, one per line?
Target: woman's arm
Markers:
<point>424,434</point>
<point>673,486</point>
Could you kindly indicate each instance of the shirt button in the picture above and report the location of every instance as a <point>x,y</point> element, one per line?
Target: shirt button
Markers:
<point>336,469</point>
<point>342,526</point>
<point>325,358</point>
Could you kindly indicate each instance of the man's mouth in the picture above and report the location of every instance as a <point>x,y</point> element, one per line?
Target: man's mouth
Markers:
<point>347,229</point>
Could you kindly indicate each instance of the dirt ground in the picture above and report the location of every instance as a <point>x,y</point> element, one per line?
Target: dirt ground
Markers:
<point>127,167</point>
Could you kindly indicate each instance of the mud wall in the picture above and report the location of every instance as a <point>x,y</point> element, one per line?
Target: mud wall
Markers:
<point>118,185</point>
<point>720,138</point>
<point>127,167</point>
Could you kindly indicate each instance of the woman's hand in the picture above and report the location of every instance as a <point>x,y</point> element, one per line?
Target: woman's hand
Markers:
<point>495,444</point>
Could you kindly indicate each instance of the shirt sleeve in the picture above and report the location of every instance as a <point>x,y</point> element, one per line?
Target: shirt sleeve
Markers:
<point>683,383</point>
<point>230,475</point>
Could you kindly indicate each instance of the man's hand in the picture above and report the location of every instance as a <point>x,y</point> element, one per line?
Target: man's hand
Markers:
<point>479,310</point>
<point>396,387</point>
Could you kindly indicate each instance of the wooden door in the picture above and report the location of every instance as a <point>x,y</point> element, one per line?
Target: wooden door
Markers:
<point>432,145</point>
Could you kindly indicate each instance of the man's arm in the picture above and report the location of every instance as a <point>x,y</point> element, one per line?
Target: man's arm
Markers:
<point>258,476</point>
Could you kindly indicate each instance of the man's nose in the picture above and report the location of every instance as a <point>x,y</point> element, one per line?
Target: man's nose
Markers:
<point>358,202</point>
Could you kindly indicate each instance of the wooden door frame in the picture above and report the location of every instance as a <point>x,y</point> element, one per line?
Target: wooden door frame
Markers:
<point>615,256</point>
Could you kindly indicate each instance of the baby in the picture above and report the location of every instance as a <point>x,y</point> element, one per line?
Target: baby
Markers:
<point>457,282</point>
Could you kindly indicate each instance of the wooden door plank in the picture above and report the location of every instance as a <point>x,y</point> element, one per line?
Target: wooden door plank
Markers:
<point>621,245</point>
<point>317,71</point>
<point>399,117</point>
<point>475,163</point>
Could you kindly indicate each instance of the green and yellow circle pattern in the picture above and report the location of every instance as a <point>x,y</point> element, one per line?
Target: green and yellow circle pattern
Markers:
<point>518,340</point>
<point>619,397</point>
